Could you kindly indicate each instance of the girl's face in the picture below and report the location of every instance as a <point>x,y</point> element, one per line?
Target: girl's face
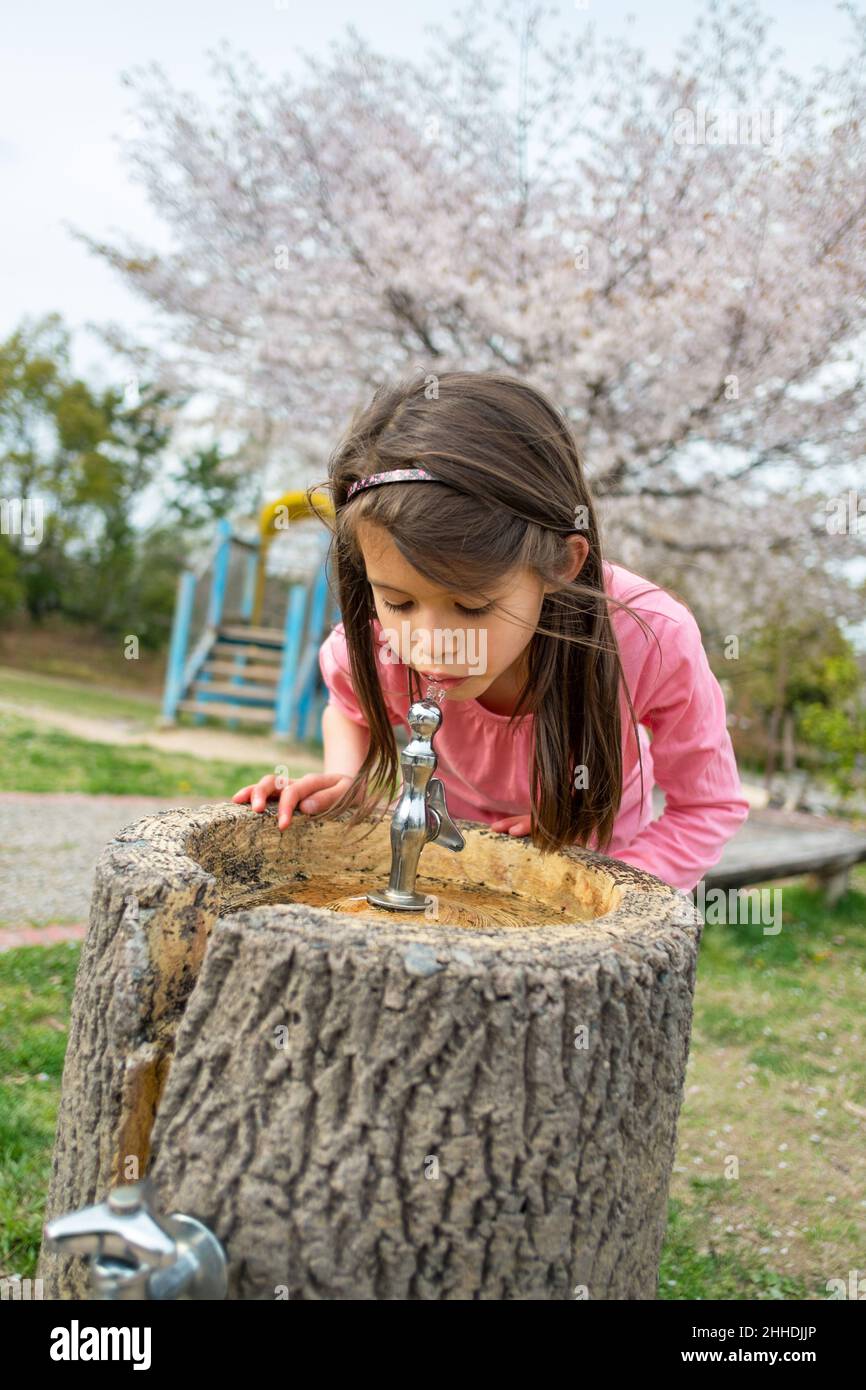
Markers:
<point>432,631</point>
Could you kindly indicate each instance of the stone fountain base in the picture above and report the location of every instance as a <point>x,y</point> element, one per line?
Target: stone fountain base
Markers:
<point>363,1105</point>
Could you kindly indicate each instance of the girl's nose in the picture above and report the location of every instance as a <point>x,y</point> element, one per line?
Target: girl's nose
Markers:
<point>430,650</point>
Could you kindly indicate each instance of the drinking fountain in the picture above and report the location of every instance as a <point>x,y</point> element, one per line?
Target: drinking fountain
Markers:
<point>137,1253</point>
<point>360,1099</point>
<point>420,815</point>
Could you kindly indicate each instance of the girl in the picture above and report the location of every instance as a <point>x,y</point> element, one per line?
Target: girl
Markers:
<point>467,547</point>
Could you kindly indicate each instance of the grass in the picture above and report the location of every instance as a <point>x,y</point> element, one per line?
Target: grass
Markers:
<point>695,1267</point>
<point>36,988</point>
<point>44,760</point>
<point>74,697</point>
<point>79,652</point>
<point>47,699</point>
<point>768,1194</point>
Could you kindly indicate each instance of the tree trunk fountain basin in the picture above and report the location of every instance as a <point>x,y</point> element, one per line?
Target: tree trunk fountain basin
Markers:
<point>475,1101</point>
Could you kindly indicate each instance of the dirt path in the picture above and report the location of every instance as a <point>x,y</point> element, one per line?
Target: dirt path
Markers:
<point>221,745</point>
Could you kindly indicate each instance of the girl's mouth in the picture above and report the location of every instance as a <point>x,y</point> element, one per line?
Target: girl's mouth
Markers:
<point>445,681</point>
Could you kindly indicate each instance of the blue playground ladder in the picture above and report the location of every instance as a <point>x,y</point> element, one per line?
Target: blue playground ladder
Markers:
<point>239,671</point>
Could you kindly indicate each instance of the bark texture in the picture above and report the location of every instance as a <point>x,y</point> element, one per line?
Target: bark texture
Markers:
<point>365,1107</point>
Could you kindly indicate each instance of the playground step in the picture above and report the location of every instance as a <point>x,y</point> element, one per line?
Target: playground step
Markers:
<point>223,650</point>
<point>225,709</point>
<point>263,675</point>
<point>236,689</point>
<point>263,636</point>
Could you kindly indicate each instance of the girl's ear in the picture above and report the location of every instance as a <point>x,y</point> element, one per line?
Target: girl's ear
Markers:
<point>578,547</point>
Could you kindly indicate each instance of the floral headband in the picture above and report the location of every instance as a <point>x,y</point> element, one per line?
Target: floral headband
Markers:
<point>406,475</point>
<point>396,475</point>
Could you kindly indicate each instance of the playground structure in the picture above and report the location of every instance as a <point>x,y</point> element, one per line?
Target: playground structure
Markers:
<point>245,642</point>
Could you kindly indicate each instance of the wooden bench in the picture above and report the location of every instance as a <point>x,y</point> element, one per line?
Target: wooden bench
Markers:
<point>783,844</point>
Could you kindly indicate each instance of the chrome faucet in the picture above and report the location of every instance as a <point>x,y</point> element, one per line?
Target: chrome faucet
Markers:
<point>137,1253</point>
<point>420,815</point>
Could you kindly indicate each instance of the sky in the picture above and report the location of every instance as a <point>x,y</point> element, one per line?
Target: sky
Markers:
<point>62,103</point>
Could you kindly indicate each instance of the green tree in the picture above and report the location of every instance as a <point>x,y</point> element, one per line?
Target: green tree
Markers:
<point>83,459</point>
<point>205,490</point>
<point>805,688</point>
<point>831,717</point>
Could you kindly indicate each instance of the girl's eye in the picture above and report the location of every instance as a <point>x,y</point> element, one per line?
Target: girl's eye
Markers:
<point>474,612</point>
<point>470,612</point>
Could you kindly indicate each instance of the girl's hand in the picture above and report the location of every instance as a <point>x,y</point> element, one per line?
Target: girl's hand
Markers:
<point>314,792</point>
<point>513,825</point>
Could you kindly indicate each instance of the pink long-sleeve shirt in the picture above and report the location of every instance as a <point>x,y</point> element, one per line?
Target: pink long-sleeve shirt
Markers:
<point>484,763</point>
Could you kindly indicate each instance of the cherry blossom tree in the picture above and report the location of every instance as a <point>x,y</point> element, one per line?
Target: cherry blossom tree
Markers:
<point>677,257</point>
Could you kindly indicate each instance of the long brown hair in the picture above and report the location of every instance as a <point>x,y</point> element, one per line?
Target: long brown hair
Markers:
<point>512,483</point>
